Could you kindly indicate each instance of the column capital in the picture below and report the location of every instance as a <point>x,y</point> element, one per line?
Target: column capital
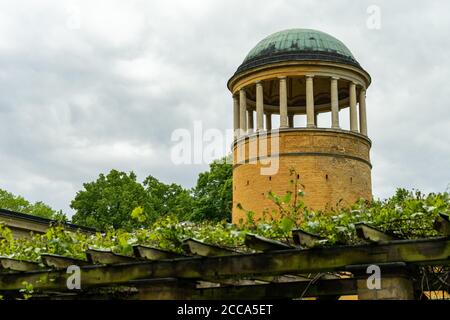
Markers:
<point>335,78</point>
<point>309,76</point>
<point>282,78</point>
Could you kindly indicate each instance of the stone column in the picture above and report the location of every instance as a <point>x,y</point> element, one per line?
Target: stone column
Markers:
<point>250,121</point>
<point>283,103</point>
<point>291,120</point>
<point>353,111</point>
<point>259,107</point>
<point>310,123</point>
<point>268,121</point>
<point>236,116</point>
<point>243,111</point>
<point>334,103</point>
<point>362,112</point>
<point>395,282</point>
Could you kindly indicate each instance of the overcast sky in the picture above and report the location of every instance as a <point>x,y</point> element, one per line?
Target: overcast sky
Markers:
<point>87,86</point>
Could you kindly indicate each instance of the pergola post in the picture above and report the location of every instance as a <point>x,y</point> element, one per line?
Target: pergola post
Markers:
<point>392,283</point>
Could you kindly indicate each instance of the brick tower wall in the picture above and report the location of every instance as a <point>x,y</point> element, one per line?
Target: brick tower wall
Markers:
<point>333,165</point>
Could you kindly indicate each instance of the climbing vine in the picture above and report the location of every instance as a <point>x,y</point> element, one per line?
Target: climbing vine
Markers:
<point>408,214</point>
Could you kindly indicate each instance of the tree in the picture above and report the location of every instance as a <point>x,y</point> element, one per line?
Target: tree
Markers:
<point>109,201</point>
<point>15,203</point>
<point>118,200</point>
<point>163,199</point>
<point>213,193</point>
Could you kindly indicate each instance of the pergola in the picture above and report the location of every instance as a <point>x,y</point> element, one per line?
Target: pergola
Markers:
<point>275,270</point>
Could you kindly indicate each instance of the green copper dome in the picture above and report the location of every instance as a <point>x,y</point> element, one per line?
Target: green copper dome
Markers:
<point>298,44</point>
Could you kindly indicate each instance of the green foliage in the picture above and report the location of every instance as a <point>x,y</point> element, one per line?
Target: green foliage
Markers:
<point>163,199</point>
<point>407,214</point>
<point>27,291</point>
<point>15,203</point>
<point>138,214</point>
<point>213,192</point>
<point>290,207</point>
<point>117,200</point>
<point>109,201</point>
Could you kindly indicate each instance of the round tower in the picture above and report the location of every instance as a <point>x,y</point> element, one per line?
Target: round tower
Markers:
<point>290,75</point>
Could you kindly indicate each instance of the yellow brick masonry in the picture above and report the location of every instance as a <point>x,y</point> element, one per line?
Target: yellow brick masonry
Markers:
<point>333,165</point>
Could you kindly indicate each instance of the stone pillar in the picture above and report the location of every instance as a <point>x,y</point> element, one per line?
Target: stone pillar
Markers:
<point>334,103</point>
<point>291,120</point>
<point>243,111</point>
<point>268,121</point>
<point>259,107</point>
<point>310,123</point>
<point>315,119</point>
<point>353,111</point>
<point>362,112</point>
<point>250,124</point>
<point>236,116</point>
<point>395,282</point>
<point>392,288</point>
<point>283,103</point>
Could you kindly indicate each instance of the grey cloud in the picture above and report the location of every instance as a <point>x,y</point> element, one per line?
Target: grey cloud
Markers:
<point>77,102</point>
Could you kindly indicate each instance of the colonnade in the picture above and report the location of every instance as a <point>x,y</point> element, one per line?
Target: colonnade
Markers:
<point>244,116</point>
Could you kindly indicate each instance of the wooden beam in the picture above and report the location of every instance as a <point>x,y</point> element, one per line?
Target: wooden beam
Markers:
<point>106,257</point>
<point>263,244</point>
<point>169,289</point>
<point>206,250</point>
<point>18,265</point>
<point>61,262</point>
<point>151,253</point>
<point>306,239</point>
<point>371,234</point>
<point>423,252</point>
<point>286,290</point>
<point>442,224</point>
